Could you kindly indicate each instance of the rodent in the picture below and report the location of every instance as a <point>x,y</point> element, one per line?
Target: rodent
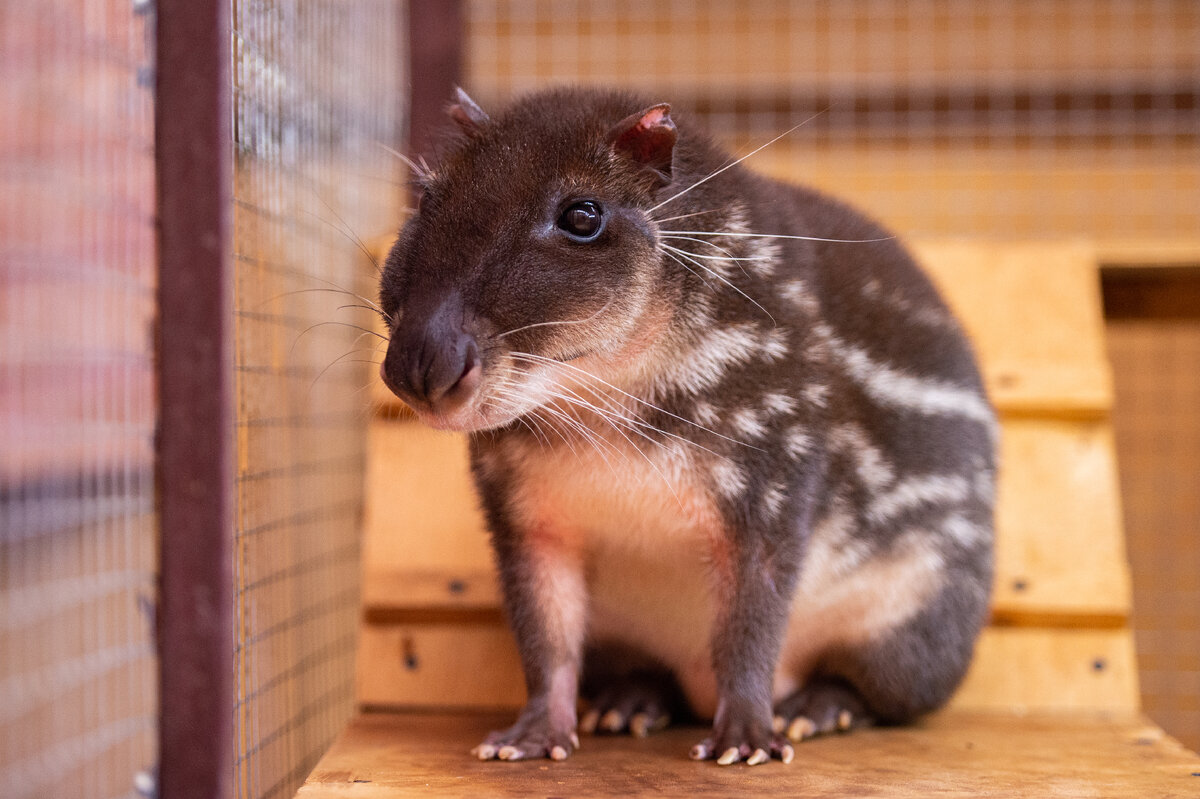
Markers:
<point>734,452</point>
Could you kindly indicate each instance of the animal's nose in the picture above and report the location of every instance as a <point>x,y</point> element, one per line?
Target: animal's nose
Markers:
<point>434,364</point>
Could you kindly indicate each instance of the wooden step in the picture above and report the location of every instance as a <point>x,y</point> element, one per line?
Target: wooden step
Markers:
<point>952,754</point>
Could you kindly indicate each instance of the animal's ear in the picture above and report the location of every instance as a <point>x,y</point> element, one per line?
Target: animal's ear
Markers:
<point>467,114</point>
<point>648,138</point>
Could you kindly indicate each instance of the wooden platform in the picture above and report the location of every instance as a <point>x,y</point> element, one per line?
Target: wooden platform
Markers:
<point>1049,707</point>
<point>958,753</point>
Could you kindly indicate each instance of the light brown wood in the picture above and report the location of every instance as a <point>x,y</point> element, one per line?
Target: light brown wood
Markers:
<point>1049,669</point>
<point>938,189</point>
<point>1059,554</point>
<point>1033,311</point>
<point>449,664</point>
<point>1059,548</point>
<point>953,754</point>
<point>421,511</point>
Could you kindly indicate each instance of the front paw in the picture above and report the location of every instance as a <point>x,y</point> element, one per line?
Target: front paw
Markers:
<point>529,738</point>
<point>750,741</point>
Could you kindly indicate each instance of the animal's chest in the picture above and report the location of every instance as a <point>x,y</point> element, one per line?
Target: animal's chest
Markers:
<point>647,531</point>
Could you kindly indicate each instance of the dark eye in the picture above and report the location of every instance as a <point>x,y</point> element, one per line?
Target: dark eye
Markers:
<point>582,220</point>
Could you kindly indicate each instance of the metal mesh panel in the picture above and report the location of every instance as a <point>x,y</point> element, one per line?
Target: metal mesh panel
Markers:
<point>317,90</point>
<point>77,410</point>
<point>1158,438</point>
<point>962,118</point>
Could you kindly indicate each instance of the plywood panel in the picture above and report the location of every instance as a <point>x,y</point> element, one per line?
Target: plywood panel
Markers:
<point>1051,669</point>
<point>440,665</point>
<point>1060,550</point>
<point>421,511</point>
<point>1033,311</point>
<point>953,754</point>
<point>452,665</point>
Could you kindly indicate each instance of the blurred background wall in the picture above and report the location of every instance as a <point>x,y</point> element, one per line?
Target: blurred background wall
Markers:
<point>77,405</point>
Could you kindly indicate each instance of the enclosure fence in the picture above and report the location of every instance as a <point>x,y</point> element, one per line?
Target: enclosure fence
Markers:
<point>316,95</point>
<point>1005,120</point>
<point>77,405</point>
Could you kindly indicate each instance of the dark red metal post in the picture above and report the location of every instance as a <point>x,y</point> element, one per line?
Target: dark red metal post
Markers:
<point>195,436</point>
<point>435,31</point>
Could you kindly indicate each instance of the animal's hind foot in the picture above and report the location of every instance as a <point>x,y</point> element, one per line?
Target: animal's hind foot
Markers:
<point>822,706</point>
<point>639,703</point>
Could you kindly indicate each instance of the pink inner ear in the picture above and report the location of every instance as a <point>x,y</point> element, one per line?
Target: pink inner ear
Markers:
<point>652,118</point>
<point>647,137</point>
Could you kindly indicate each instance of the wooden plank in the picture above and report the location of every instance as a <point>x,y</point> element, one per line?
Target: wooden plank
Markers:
<point>476,666</point>
<point>1008,191</point>
<point>1060,553</point>
<point>1051,670</point>
<point>451,665</point>
<point>952,754</point>
<point>421,511</point>
<point>1033,311</point>
<point>1059,545</point>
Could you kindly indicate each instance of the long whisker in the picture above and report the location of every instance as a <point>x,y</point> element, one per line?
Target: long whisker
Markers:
<point>366,331</point>
<point>341,359</point>
<point>349,233</point>
<point>421,170</point>
<point>688,256</point>
<point>674,233</point>
<point>732,164</point>
<point>726,257</point>
<point>683,216</point>
<point>363,307</point>
<point>367,300</point>
<point>649,462</point>
<point>652,406</point>
<point>679,261</point>
<point>372,307</point>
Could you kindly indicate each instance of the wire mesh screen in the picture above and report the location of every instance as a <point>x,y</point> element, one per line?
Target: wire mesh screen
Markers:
<point>77,407</point>
<point>318,93</point>
<point>1158,437</point>
<point>1079,117</point>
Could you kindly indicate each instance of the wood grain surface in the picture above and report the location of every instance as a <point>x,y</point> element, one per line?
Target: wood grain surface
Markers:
<point>949,755</point>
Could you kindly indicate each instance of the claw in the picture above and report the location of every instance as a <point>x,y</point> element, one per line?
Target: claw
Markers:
<point>699,752</point>
<point>612,721</point>
<point>786,754</point>
<point>575,740</point>
<point>759,756</point>
<point>558,753</point>
<point>731,755</point>
<point>778,724</point>
<point>801,728</point>
<point>589,722</point>
<point>510,753</point>
<point>844,720</point>
<point>484,751</point>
